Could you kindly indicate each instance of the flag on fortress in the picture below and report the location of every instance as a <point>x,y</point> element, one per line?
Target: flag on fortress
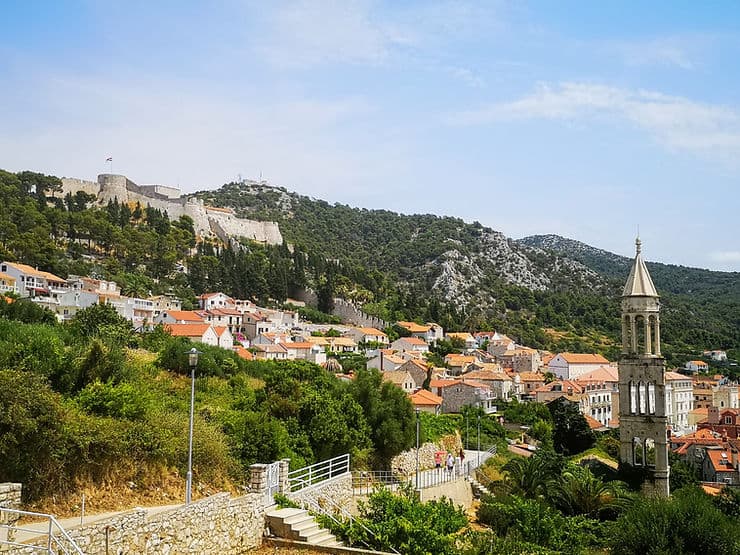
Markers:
<point>109,159</point>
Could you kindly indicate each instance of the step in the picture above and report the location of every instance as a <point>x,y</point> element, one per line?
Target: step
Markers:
<point>306,531</point>
<point>310,536</point>
<point>326,539</point>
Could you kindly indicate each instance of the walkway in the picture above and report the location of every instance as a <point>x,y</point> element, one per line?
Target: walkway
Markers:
<point>28,531</point>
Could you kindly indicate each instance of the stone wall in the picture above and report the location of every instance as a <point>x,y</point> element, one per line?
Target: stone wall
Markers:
<point>217,524</point>
<point>169,200</point>
<point>72,185</point>
<point>328,495</point>
<point>404,463</point>
<point>10,497</point>
<point>348,312</point>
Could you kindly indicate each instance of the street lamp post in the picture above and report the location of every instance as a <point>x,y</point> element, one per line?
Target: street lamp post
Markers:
<point>193,361</point>
<point>478,435</point>
<point>467,442</point>
<point>418,418</point>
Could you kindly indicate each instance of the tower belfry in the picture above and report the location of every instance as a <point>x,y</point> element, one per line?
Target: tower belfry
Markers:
<point>642,411</point>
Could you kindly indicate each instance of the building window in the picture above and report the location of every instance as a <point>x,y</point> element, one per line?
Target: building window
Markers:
<point>728,419</point>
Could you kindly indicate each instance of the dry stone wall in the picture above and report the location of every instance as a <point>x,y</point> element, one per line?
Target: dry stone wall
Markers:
<point>404,463</point>
<point>328,495</point>
<point>218,524</point>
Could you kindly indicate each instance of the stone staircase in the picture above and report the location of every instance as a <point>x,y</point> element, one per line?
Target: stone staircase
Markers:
<point>298,524</point>
<point>479,490</point>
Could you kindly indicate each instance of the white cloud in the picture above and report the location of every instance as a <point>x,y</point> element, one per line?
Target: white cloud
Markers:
<point>676,122</point>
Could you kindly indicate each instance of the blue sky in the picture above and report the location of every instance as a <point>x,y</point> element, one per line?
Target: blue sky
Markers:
<point>585,119</point>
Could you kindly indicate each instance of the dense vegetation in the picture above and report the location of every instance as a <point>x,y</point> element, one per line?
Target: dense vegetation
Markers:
<point>77,400</point>
<point>701,308</point>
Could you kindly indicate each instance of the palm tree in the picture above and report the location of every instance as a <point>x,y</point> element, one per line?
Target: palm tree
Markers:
<point>529,477</point>
<point>579,492</point>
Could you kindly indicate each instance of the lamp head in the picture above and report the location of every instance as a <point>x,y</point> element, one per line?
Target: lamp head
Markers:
<point>193,357</point>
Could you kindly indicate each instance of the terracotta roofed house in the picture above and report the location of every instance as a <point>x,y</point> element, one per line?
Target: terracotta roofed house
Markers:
<point>426,401</point>
<point>568,366</point>
<point>200,333</point>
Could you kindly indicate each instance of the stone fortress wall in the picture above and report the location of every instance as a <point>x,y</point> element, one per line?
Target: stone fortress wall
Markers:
<point>208,221</point>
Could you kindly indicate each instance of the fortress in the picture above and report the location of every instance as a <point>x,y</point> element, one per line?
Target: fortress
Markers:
<point>208,221</point>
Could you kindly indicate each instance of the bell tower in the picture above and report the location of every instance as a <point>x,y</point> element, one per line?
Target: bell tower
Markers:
<point>642,411</point>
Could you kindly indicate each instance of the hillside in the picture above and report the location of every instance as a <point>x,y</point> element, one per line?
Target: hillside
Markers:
<point>669,278</point>
<point>467,275</point>
<point>398,267</point>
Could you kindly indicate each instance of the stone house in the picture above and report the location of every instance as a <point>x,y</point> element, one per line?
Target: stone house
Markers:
<point>402,379</point>
<point>721,466</point>
<point>426,401</point>
<point>457,394</point>
<point>386,360</point>
<point>418,370</point>
<point>500,383</point>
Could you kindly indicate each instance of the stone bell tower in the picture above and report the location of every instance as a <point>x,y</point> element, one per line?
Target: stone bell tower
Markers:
<point>642,411</point>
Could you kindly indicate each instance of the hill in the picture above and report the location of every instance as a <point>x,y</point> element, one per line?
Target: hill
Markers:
<point>462,275</point>
<point>468,276</point>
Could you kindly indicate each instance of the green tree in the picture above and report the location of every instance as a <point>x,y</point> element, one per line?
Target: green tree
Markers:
<point>685,524</point>
<point>388,412</point>
<point>571,432</point>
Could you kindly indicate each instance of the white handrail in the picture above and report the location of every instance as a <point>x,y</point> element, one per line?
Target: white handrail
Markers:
<point>318,472</point>
<point>53,540</point>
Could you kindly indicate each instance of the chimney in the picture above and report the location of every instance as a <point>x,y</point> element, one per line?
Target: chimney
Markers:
<point>734,458</point>
<point>713,415</point>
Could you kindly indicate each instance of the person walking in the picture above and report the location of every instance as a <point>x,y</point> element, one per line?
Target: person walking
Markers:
<point>450,463</point>
<point>462,460</point>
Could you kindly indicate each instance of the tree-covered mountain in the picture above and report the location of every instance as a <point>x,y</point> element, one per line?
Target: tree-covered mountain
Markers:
<point>469,276</point>
<point>399,267</point>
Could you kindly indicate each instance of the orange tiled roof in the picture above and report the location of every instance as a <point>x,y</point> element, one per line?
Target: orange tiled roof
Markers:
<point>413,327</point>
<point>413,340</point>
<point>31,271</point>
<point>370,331</point>
<point>601,374</point>
<point>425,398</point>
<point>592,422</point>
<point>186,315</point>
<point>187,330</point>
<point>242,352</point>
<point>220,330</point>
<point>675,376</point>
<point>584,358</point>
<point>531,377</point>
<point>719,462</point>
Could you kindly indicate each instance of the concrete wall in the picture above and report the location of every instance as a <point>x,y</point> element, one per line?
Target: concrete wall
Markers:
<point>218,524</point>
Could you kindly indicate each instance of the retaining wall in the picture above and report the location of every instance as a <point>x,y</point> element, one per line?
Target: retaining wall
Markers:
<point>218,524</point>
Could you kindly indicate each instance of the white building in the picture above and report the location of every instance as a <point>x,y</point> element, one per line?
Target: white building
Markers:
<point>679,400</point>
<point>569,366</point>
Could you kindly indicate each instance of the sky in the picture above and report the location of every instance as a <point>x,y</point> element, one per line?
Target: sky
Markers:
<point>589,120</point>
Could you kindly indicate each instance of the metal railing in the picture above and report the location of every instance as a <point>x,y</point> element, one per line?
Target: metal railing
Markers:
<point>364,482</point>
<point>313,506</point>
<point>55,539</point>
<point>316,473</point>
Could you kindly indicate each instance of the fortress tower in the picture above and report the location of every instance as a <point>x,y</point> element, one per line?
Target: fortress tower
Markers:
<point>642,411</point>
